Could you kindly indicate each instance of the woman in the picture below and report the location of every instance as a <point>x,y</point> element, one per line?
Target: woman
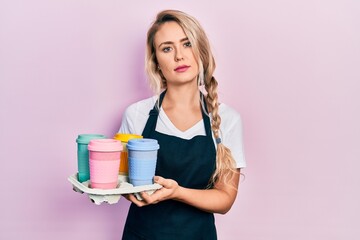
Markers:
<point>199,174</point>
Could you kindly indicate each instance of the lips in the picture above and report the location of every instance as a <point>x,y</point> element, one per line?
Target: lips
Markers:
<point>181,68</point>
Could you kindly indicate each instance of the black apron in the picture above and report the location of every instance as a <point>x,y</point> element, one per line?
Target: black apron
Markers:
<point>189,162</point>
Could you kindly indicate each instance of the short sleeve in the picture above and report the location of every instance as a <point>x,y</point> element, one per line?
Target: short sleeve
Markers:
<point>126,122</point>
<point>135,116</point>
<point>232,135</point>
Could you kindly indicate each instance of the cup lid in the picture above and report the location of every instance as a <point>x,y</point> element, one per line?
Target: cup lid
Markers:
<point>105,145</point>
<point>125,137</point>
<point>85,138</point>
<point>144,144</point>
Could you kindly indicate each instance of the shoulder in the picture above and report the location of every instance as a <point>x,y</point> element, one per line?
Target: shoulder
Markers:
<point>141,107</point>
<point>232,133</point>
<point>136,115</point>
<point>229,116</point>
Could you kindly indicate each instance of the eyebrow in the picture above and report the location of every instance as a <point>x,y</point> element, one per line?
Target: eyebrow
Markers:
<point>170,42</point>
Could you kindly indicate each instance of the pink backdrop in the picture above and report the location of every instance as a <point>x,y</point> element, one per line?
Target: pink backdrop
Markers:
<point>291,68</point>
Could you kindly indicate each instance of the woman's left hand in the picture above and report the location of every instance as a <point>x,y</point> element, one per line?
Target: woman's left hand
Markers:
<point>168,191</point>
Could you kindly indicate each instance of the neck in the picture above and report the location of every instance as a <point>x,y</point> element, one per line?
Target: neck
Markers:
<point>185,96</point>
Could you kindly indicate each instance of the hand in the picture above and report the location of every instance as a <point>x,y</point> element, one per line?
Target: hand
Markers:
<point>168,191</point>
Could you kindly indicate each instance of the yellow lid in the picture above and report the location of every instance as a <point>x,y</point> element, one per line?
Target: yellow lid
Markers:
<point>125,137</point>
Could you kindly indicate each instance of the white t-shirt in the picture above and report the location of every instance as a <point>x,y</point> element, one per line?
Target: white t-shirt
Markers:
<point>137,114</point>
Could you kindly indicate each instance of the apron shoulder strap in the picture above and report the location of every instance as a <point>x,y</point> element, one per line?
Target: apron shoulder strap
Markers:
<point>153,116</point>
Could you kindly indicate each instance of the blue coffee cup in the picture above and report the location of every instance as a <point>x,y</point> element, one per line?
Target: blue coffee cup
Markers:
<point>142,155</point>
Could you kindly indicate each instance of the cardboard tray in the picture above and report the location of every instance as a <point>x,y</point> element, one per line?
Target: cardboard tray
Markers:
<point>111,196</point>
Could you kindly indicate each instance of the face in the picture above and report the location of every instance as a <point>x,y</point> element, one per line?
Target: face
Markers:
<point>175,55</point>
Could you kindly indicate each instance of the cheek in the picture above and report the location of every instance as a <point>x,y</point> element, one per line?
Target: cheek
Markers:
<point>195,66</point>
<point>166,72</point>
<point>165,64</point>
<point>161,58</point>
<point>193,59</point>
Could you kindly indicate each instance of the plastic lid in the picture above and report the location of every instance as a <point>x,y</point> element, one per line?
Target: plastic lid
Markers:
<point>105,145</point>
<point>144,144</point>
<point>125,137</point>
<point>85,138</point>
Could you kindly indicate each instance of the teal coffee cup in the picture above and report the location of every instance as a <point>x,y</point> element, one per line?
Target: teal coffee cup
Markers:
<point>142,157</point>
<point>83,155</point>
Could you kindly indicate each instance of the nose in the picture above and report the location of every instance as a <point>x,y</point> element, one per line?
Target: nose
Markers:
<point>178,55</point>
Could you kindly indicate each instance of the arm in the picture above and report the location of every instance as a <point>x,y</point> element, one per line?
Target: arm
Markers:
<point>216,200</point>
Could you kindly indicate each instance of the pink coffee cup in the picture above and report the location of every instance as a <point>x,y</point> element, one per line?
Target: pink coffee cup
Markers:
<point>104,162</point>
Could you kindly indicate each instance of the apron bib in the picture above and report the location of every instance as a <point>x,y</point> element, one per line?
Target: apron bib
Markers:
<point>189,162</point>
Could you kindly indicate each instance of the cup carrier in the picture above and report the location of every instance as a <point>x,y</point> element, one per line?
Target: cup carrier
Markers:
<point>111,196</point>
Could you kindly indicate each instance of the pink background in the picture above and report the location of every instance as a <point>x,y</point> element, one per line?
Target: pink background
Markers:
<point>291,68</point>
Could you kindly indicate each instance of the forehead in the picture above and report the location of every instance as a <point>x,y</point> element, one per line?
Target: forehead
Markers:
<point>169,31</point>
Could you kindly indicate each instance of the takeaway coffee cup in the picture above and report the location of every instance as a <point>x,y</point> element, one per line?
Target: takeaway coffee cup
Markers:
<point>83,155</point>
<point>104,163</point>
<point>142,156</point>
<point>124,138</point>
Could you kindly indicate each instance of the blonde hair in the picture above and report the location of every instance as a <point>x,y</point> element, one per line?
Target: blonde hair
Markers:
<point>225,163</point>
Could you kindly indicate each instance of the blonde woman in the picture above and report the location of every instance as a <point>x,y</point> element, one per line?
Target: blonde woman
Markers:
<point>201,152</point>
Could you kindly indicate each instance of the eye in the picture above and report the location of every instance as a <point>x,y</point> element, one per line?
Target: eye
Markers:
<point>187,44</point>
<point>166,49</point>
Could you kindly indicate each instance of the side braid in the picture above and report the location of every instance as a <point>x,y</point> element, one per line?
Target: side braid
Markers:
<point>225,163</point>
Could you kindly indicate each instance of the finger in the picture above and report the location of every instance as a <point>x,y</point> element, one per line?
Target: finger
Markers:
<point>153,198</point>
<point>145,197</point>
<point>163,181</point>
<point>127,197</point>
<point>160,180</point>
<point>149,199</point>
<point>134,200</point>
